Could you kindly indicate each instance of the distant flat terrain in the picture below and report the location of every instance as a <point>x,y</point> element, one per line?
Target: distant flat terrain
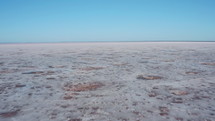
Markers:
<point>127,81</point>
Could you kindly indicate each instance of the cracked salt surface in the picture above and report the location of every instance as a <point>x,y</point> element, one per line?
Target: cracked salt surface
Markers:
<point>108,81</point>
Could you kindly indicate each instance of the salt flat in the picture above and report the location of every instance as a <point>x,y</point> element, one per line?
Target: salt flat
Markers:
<point>127,81</point>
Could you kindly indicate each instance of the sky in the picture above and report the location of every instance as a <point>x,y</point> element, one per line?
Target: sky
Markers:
<point>106,20</point>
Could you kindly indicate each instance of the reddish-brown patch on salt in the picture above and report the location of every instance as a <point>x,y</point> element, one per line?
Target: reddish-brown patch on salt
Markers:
<point>163,111</point>
<point>7,71</point>
<point>148,77</point>
<point>169,60</point>
<point>68,96</point>
<point>83,86</point>
<point>48,73</point>
<point>179,118</point>
<point>9,114</point>
<point>152,94</point>
<point>179,92</point>
<point>211,64</point>
<point>92,68</point>
<point>20,85</point>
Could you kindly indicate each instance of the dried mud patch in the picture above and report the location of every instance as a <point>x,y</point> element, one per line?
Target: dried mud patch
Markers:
<point>171,94</point>
<point>152,94</point>
<point>120,64</point>
<point>73,89</point>
<point>10,113</point>
<point>168,60</point>
<point>210,63</point>
<point>83,86</point>
<point>20,85</point>
<point>6,71</point>
<point>179,92</point>
<point>148,77</point>
<point>164,111</point>
<point>68,96</point>
<point>91,68</point>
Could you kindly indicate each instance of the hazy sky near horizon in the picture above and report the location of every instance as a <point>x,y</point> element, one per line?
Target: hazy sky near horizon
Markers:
<point>106,20</point>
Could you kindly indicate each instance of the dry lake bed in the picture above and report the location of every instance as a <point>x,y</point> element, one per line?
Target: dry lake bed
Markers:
<point>148,81</point>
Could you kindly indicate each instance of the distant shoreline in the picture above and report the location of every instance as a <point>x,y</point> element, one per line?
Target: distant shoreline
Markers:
<point>95,42</point>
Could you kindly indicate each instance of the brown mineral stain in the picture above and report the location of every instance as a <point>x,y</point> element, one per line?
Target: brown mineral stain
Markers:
<point>9,114</point>
<point>83,86</point>
<point>48,73</point>
<point>152,94</point>
<point>179,118</point>
<point>210,63</point>
<point>169,60</point>
<point>68,96</point>
<point>148,77</point>
<point>92,68</point>
<point>179,92</point>
<point>163,111</point>
<point>20,85</point>
<point>6,71</point>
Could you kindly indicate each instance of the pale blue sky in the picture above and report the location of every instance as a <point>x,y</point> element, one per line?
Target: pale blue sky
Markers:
<point>106,20</point>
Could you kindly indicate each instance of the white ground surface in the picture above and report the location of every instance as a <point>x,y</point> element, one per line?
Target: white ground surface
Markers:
<point>34,81</point>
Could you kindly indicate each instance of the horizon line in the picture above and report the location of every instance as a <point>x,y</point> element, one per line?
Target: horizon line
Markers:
<point>107,41</point>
